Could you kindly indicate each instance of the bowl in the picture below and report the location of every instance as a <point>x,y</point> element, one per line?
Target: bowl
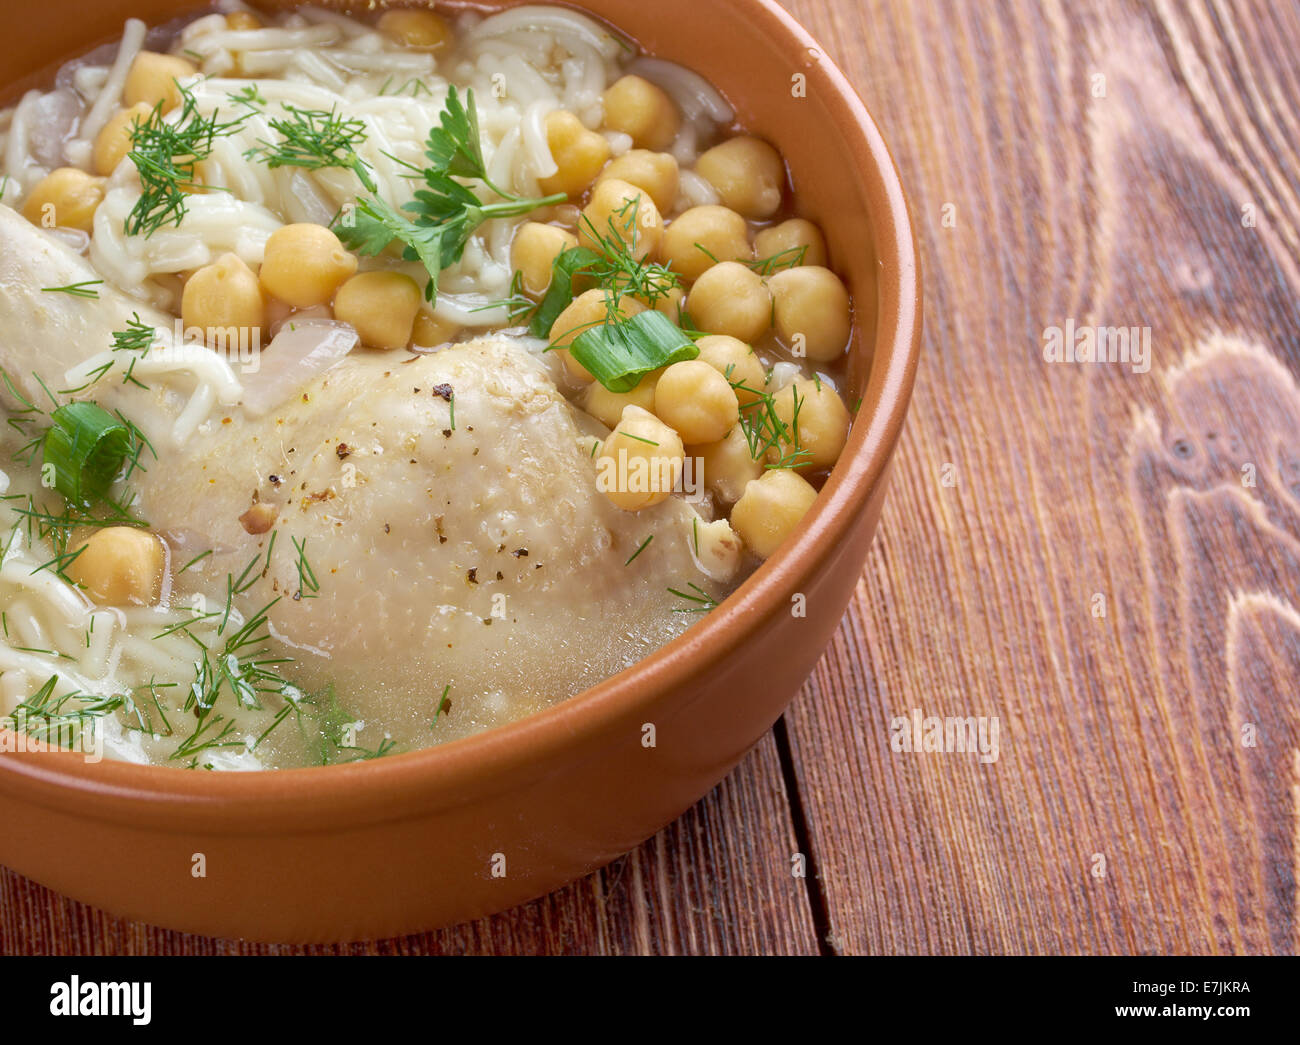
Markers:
<point>420,840</point>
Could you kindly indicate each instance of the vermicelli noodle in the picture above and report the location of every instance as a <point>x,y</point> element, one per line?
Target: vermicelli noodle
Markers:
<point>321,337</point>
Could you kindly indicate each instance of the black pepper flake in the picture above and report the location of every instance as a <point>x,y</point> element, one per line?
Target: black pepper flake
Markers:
<point>275,480</point>
<point>520,553</point>
<point>342,450</point>
<point>500,576</point>
<point>487,621</point>
<point>447,432</point>
<point>444,392</point>
<point>387,528</point>
<point>473,575</point>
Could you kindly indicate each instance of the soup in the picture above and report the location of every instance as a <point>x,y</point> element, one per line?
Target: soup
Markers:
<point>374,381</point>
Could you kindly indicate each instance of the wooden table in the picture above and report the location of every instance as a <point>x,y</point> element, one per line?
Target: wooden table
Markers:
<point>1105,560</point>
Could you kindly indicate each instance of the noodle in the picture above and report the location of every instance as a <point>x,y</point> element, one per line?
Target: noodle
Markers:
<point>110,92</point>
<point>522,65</point>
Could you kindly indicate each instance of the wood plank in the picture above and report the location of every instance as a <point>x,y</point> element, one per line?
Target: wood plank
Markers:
<point>717,881</point>
<point>1169,201</point>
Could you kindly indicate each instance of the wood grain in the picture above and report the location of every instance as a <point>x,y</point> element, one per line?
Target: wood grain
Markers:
<point>1163,736</point>
<point>1107,561</point>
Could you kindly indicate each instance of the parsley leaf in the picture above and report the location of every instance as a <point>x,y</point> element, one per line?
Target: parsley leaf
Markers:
<point>444,213</point>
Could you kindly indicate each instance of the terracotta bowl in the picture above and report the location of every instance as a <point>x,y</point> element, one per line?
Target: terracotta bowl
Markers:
<point>407,843</point>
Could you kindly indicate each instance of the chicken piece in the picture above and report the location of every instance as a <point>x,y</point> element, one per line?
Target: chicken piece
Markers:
<point>446,507</point>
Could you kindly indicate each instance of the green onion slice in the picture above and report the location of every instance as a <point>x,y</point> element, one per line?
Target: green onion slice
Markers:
<point>86,446</point>
<point>619,354</point>
<point>568,263</point>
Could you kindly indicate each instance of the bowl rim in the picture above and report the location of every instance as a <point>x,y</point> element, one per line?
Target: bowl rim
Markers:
<point>376,790</point>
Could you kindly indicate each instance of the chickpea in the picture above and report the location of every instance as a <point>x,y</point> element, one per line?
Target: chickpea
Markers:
<point>770,509</point>
<point>731,299</point>
<point>587,310</point>
<point>670,303</point>
<point>224,301</point>
<point>728,465</point>
<point>579,154</point>
<point>304,264</point>
<point>792,236</point>
<point>65,198</point>
<point>640,461</point>
<point>697,401</point>
<point>242,21</point>
<point>120,565</point>
<point>701,237</point>
<point>643,111</point>
<point>716,549</point>
<point>749,175</point>
<point>656,172</point>
<point>737,362</point>
<point>813,312</point>
<point>817,423</point>
<point>607,407</point>
<point>114,141</point>
<point>430,330</point>
<point>381,306</point>
<point>534,250</point>
<point>418,30</point>
<point>622,211</point>
<point>152,80</point>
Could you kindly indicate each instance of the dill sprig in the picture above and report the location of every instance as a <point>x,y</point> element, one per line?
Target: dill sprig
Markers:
<point>791,257</point>
<point>250,96</point>
<point>194,561</point>
<point>444,706</point>
<point>85,289</point>
<point>329,741</point>
<point>308,585</point>
<point>56,525</point>
<point>518,305</point>
<point>26,418</point>
<point>764,428</point>
<point>314,139</point>
<point>642,547</point>
<point>615,268</point>
<point>166,152</point>
<point>619,272</point>
<point>49,718</point>
<point>242,663</point>
<point>700,600</point>
<point>137,338</point>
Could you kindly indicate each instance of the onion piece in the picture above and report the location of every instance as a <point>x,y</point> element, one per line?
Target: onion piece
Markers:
<point>53,118</point>
<point>297,355</point>
<point>77,240</point>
